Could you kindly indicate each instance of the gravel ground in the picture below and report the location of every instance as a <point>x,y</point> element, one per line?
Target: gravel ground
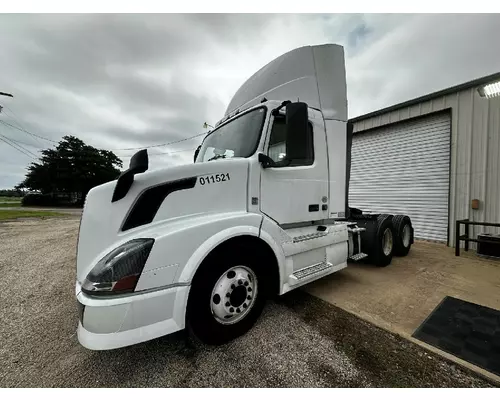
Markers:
<point>299,340</point>
<point>73,211</point>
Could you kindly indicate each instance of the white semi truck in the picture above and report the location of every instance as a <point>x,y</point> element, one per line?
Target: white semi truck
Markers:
<point>262,211</point>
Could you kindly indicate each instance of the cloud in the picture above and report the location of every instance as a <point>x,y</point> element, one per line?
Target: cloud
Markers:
<point>119,81</point>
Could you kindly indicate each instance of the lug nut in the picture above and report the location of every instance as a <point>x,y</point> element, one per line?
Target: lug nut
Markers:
<point>249,289</point>
<point>245,305</point>
<point>231,309</point>
<point>249,297</point>
<point>232,286</point>
<point>227,304</point>
<point>240,282</point>
<point>228,294</point>
<point>238,310</point>
<point>246,283</point>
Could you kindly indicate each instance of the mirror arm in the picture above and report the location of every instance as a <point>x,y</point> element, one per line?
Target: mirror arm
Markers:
<point>268,162</point>
<point>285,163</point>
<point>276,111</point>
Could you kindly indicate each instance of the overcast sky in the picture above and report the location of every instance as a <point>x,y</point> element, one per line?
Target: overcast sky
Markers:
<point>120,81</point>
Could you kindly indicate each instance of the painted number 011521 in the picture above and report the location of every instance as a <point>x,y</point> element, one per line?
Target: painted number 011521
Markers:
<point>205,180</point>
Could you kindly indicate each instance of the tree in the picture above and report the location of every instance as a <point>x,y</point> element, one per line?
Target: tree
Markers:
<point>11,193</point>
<point>71,169</point>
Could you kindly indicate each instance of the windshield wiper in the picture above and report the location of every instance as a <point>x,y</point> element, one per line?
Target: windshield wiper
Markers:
<point>217,156</point>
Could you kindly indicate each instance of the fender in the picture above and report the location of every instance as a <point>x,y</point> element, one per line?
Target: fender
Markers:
<point>180,246</point>
<point>211,243</point>
<point>246,224</point>
<point>249,229</point>
<point>252,227</point>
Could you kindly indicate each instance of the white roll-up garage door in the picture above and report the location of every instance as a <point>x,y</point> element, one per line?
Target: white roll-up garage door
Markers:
<point>404,169</point>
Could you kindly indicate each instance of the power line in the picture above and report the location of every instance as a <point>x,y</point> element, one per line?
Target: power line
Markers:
<point>129,148</point>
<point>14,117</point>
<point>11,145</point>
<point>28,132</point>
<point>18,145</point>
<point>26,144</point>
<point>163,144</point>
<point>176,151</point>
<point>164,154</point>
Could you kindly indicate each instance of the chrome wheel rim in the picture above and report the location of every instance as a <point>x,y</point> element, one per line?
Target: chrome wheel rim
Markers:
<point>406,235</point>
<point>387,242</point>
<point>234,295</point>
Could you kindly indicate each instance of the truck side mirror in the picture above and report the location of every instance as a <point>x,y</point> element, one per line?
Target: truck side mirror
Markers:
<point>296,131</point>
<point>139,162</point>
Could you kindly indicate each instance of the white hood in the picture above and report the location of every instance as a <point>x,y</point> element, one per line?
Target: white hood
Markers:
<point>102,223</point>
<point>312,74</point>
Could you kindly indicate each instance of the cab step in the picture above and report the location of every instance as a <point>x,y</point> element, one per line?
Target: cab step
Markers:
<point>307,272</point>
<point>359,256</point>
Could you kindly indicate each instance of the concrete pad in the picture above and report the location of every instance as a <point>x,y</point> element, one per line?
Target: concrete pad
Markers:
<point>400,296</point>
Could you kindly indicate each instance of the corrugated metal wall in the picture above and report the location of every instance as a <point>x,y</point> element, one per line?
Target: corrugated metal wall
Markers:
<point>475,152</point>
<point>410,178</point>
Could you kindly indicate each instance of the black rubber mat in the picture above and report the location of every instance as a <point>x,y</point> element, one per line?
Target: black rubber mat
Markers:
<point>466,330</point>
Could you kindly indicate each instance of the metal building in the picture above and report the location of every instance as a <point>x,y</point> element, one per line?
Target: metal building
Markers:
<point>430,157</point>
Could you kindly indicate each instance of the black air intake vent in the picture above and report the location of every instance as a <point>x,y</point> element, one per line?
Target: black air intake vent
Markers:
<point>147,205</point>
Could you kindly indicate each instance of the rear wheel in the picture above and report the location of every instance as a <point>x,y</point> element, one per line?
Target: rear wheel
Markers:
<point>227,296</point>
<point>403,235</point>
<point>384,241</point>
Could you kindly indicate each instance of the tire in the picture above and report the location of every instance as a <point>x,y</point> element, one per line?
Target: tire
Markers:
<point>206,314</point>
<point>403,237</point>
<point>384,241</point>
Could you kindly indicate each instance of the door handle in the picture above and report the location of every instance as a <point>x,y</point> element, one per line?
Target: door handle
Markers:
<point>313,207</point>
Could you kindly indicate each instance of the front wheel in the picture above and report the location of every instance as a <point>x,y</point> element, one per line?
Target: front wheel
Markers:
<point>227,296</point>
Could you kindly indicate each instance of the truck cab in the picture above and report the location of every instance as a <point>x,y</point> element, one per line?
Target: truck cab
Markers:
<point>262,210</point>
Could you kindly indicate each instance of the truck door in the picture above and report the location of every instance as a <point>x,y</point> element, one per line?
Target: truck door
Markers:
<point>296,193</point>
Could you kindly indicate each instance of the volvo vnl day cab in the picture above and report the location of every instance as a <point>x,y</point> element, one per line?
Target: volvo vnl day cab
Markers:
<point>263,210</point>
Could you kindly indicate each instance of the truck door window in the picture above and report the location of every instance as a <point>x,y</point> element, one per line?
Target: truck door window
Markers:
<point>277,148</point>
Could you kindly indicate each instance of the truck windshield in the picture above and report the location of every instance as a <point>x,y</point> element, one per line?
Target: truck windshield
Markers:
<point>238,138</point>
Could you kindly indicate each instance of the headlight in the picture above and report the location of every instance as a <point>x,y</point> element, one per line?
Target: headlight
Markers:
<point>119,271</point>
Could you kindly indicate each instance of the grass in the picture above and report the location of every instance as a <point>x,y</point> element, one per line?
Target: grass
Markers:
<point>5,199</point>
<point>14,214</point>
<point>11,204</point>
